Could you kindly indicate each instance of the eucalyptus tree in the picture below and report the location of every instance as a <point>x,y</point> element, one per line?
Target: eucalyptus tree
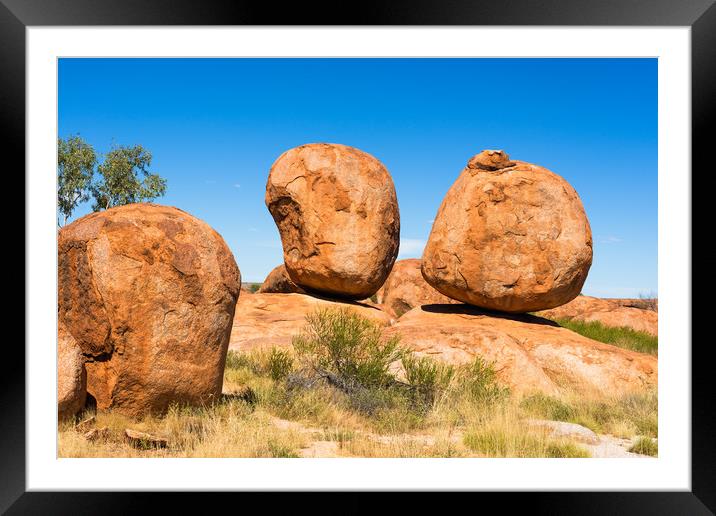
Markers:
<point>76,160</point>
<point>124,178</point>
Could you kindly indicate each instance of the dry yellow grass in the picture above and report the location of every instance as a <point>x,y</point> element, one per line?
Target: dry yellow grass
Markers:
<point>259,417</point>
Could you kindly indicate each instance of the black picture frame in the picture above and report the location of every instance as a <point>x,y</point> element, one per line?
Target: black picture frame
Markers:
<point>699,15</point>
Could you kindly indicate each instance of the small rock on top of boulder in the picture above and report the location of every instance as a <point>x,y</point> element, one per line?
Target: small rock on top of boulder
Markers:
<point>337,213</point>
<point>529,353</point>
<point>406,288</point>
<point>279,282</point>
<point>263,321</point>
<point>509,236</point>
<point>148,292</point>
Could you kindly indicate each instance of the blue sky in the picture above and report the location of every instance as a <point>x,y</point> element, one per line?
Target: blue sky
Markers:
<point>215,126</point>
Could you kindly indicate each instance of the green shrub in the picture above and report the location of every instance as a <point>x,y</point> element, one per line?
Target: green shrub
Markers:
<point>620,337</point>
<point>566,450</point>
<point>254,287</point>
<point>427,379</point>
<point>645,446</point>
<point>279,364</point>
<point>347,350</point>
<point>478,382</point>
<point>278,450</point>
<point>642,409</point>
<point>235,360</point>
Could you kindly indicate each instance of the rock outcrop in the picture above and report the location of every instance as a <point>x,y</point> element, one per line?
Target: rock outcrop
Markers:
<point>509,236</point>
<point>263,321</point>
<point>406,288</point>
<point>279,282</point>
<point>529,353</point>
<point>609,312</point>
<point>71,376</point>
<point>337,213</point>
<point>642,303</point>
<point>148,292</point>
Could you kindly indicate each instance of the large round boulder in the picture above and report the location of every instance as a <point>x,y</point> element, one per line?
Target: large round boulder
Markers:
<point>279,282</point>
<point>337,213</point>
<point>71,376</point>
<point>149,293</point>
<point>406,288</point>
<point>509,236</point>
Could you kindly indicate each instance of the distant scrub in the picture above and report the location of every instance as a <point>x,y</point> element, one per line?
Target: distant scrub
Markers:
<point>620,337</point>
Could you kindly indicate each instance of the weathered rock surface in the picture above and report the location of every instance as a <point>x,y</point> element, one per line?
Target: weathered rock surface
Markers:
<point>148,292</point>
<point>509,236</point>
<point>263,321</point>
<point>609,312</point>
<point>529,353</point>
<point>144,440</point>
<point>97,434</point>
<point>71,376</point>
<point>406,288</point>
<point>279,282</point>
<point>337,213</point>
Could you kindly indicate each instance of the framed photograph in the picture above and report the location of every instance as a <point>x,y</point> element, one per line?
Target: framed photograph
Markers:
<point>418,248</point>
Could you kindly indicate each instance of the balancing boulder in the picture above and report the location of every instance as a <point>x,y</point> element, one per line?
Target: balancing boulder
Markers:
<point>149,293</point>
<point>509,236</point>
<point>337,213</point>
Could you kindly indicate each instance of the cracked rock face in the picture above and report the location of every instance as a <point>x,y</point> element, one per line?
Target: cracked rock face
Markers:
<point>509,236</point>
<point>148,292</point>
<point>337,213</point>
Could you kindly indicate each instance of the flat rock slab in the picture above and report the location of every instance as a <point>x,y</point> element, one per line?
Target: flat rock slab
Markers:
<point>144,440</point>
<point>263,321</point>
<point>613,448</point>
<point>528,353</point>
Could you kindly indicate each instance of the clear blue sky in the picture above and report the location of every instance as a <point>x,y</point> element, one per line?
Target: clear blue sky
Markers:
<point>215,126</point>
